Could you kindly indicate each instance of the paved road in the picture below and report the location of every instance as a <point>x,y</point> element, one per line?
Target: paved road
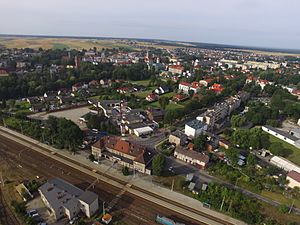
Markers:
<point>182,168</point>
<point>130,203</point>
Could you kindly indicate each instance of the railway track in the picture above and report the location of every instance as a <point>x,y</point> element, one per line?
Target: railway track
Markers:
<point>7,217</point>
<point>124,183</point>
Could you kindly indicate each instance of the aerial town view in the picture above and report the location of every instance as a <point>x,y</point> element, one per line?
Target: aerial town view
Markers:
<point>162,112</point>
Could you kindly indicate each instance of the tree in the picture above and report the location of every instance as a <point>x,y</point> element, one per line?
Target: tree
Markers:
<point>158,164</point>
<point>233,155</point>
<point>163,102</point>
<point>125,171</point>
<point>279,150</point>
<point>251,160</point>
<point>237,121</point>
<point>199,143</point>
<point>92,158</point>
<point>191,93</point>
<point>283,208</point>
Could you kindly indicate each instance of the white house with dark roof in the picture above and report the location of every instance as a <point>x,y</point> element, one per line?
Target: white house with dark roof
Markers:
<point>65,200</point>
<point>289,138</point>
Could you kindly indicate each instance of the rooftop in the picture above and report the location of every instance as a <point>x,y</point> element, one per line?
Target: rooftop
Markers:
<point>294,175</point>
<point>283,133</point>
<point>196,124</point>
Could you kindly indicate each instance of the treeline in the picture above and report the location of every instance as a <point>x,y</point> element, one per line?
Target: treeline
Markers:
<point>59,132</point>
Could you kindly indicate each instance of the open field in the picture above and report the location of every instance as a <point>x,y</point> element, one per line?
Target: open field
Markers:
<point>266,52</point>
<point>60,43</point>
<point>295,157</point>
<point>72,43</point>
<point>280,198</point>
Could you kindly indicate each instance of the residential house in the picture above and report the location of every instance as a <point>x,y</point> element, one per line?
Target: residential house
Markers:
<point>217,88</point>
<point>124,152</point>
<point>197,159</point>
<point>79,86</point>
<point>4,73</point>
<point>178,138</point>
<point>64,199</point>
<point>176,69</point>
<point>185,87</point>
<point>162,90</point>
<point>152,97</point>
<point>206,82</point>
<point>180,97</point>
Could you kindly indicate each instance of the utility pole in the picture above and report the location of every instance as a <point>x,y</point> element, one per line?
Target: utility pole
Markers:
<point>172,188</point>
<point>2,181</point>
<point>291,207</point>
<point>222,203</point>
<point>103,208</point>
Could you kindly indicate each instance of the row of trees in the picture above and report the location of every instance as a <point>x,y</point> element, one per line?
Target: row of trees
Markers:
<point>59,132</point>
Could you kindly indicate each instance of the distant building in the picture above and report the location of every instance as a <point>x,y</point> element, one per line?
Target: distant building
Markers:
<point>217,88</point>
<point>64,199</point>
<point>185,87</point>
<point>194,128</point>
<point>162,90</point>
<point>205,82</point>
<point>152,97</point>
<point>176,69</point>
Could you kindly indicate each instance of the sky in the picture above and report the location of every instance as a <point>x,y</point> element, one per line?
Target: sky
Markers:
<point>259,23</point>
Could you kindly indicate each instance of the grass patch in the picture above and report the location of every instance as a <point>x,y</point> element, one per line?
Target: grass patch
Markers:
<point>142,82</point>
<point>272,212</point>
<point>295,157</point>
<point>60,46</point>
<point>179,182</point>
<point>280,198</point>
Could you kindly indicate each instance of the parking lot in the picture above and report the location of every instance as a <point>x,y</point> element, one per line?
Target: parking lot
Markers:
<point>70,114</point>
<point>43,212</point>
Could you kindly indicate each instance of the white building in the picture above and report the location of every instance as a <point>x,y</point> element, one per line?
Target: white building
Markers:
<point>284,164</point>
<point>192,157</point>
<point>184,87</point>
<point>194,128</point>
<point>282,135</point>
<point>142,131</point>
<point>64,199</point>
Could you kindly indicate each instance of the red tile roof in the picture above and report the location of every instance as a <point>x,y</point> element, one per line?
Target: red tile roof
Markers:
<point>294,175</point>
<point>185,84</point>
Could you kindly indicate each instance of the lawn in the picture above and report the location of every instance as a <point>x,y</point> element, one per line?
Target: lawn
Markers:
<point>280,198</point>
<point>295,157</point>
<point>59,46</point>
<point>171,106</point>
<point>142,82</point>
<point>179,182</point>
<point>22,107</point>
